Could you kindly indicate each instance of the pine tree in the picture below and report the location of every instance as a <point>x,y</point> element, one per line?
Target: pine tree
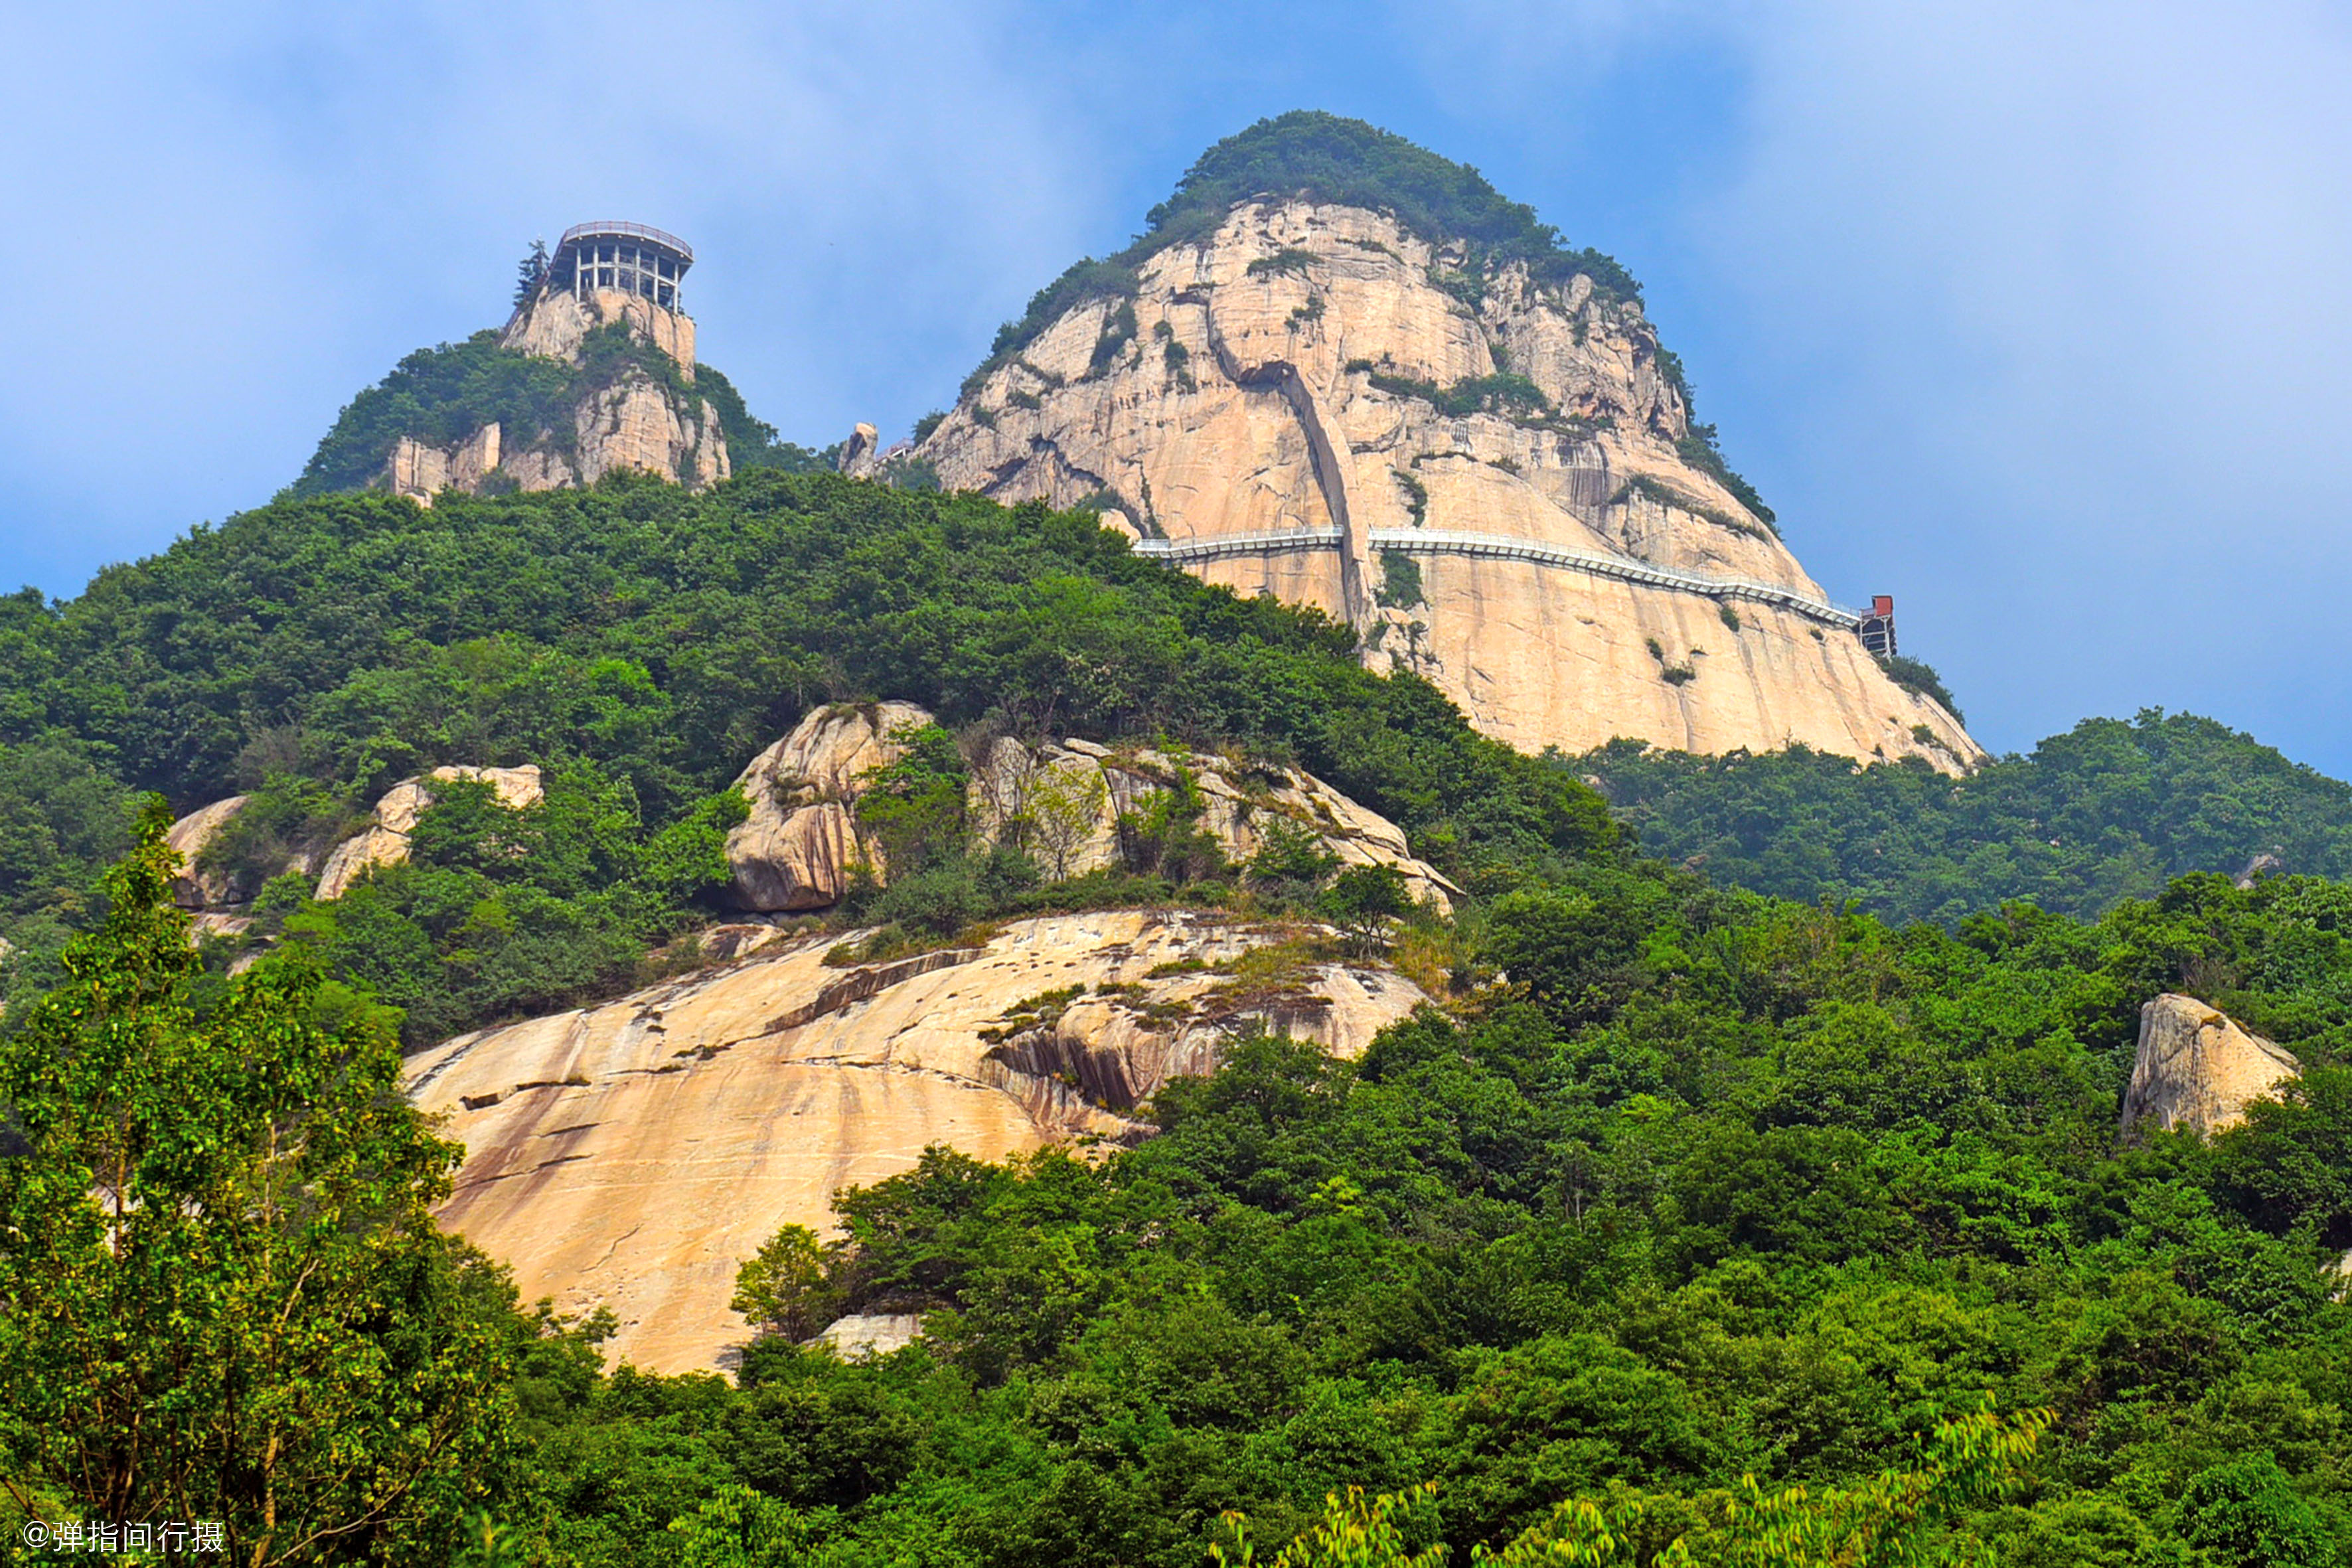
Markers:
<point>532,273</point>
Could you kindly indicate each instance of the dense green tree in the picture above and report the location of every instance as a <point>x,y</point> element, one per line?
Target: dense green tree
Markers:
<point>2108,810</point>
<point>2247,1515</point>
<point>225,1295</point>
<point>1363,902</point>
<point>784,1289</point>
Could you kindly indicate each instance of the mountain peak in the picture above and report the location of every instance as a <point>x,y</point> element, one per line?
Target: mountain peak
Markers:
<point>1342,370</point>
<point>1312,155</point>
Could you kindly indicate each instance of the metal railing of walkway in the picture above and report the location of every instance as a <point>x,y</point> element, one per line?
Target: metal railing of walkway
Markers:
<point>1493,546</point>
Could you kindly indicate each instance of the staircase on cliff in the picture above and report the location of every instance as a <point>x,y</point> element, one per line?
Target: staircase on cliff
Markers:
<point>1343,371</point>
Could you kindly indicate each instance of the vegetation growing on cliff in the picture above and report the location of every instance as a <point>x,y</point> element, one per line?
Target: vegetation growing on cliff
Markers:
<point>1347,163</point>
<point>753,443</point>
<point>1915,675</point>
<point>1325,158</point>
<point>440,397</point>
<point>1512,397</point>
<point>1699,451</point>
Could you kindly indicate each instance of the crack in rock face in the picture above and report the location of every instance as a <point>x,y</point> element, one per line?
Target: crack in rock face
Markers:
<point>696,1118</point>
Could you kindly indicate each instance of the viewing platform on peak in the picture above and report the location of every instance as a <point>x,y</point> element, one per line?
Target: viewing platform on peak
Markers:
<point>634,257</point>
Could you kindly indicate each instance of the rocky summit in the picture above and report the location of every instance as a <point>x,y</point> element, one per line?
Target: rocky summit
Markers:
<point>1476,453</point>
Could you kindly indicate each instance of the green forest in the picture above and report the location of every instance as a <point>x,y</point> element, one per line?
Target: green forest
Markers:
<point>1753,1196</point>
<point>2111,810</point>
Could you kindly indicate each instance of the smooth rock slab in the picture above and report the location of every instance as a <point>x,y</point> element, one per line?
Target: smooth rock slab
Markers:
<point>633,1155</point>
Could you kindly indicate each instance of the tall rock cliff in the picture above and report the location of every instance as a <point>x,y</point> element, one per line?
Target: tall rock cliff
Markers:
<point>1470,448</point>
<point>634,1155</point>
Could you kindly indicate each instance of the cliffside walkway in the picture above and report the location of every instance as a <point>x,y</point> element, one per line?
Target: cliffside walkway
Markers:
<point>1493,546</point>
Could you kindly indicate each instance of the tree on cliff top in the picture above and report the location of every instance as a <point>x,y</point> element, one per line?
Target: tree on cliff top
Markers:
<point>1347,162</point>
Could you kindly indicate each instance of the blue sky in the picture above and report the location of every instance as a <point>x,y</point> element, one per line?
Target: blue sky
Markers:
<point>2033,315</point>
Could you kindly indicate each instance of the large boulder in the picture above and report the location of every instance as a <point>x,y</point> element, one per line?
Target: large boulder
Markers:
<point>798,847</point>
<point>1061,800</point>
<point>1065,802</point>
<point>385,842</point>
<point>202,888</point>
<point>2198,1069</point>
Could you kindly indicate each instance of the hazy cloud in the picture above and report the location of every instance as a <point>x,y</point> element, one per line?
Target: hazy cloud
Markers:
<point>2049,304</point>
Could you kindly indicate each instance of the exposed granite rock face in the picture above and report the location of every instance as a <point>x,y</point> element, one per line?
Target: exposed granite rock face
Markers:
<point>859,451</point>
<point>423,472</point>
<point>862,1336</point>
<point>555,324</point>
<point>796,848</point>
<point>385,840</point>
<point>2198,1069</point>
<point>1286,375</point>
<point>1063,803</point>
<point>193,888</point>
<point>633,421</point>
<point>219,923</point>
<point>633,1155</point>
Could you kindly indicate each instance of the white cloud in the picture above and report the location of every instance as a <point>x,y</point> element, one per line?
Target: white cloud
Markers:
<point>2032,313</point>
<point>2052,299</point>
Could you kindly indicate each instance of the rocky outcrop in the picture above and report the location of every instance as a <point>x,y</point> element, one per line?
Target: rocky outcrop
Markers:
<point>1066,802</point>
<point>385,840</point>
<point>859,452</point>
<point>644,416</point>
<point>554,324</point>
<point>797,848</point>
<point>2197,1069</point>
<point>861,1336</point>
<point>197,887</point>
<point>1322,375</point>
<point>421,472</point>
<point>633,1155</point>
<point>1071,804</point>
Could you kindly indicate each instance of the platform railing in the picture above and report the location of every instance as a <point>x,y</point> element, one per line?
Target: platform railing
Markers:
<point>617,229</point>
